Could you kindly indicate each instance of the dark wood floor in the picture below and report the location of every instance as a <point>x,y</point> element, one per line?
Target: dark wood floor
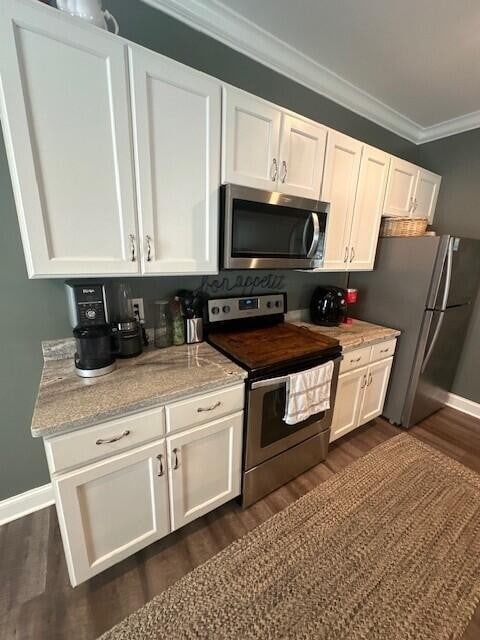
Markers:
<point>36,601</point>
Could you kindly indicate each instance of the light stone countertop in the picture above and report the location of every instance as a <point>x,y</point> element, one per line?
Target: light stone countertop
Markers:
<point>67,402</point>
<point>355,335</point>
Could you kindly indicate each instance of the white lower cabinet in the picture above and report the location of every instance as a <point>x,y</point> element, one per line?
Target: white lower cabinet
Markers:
<point>375,390</point>
<point>111,509</point>
<point>361,391</point>
<point>204,468</point>
<point>348,402</point>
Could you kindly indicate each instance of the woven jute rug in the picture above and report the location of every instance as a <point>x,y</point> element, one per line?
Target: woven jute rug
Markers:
<point>389,548</point>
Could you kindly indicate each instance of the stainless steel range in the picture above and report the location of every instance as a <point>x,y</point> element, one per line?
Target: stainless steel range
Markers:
<point>252,331</point>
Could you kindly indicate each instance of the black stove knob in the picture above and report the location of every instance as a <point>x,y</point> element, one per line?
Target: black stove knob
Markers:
<point>215,310</point>
<point>269,304</point>
<point>278,303</point>
<point>226,309</point>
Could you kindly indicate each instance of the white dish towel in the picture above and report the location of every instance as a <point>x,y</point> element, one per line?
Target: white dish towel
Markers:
<point>308,392</point>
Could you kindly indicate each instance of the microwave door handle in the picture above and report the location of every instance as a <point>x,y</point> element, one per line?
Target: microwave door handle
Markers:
<point>316,235</point>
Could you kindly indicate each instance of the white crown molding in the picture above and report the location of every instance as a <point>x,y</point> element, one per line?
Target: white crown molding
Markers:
<point>25,503</point>
<point>239,33</point>
<point>449,127</point>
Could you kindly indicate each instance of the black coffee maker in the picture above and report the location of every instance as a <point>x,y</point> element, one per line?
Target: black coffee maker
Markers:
<point>88,313</point>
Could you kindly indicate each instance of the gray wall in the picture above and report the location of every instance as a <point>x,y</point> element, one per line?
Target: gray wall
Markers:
<point>32,311</point>
<point>457,159</point>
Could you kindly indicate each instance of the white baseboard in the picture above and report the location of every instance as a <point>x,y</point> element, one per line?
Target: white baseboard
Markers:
<point>25,503</point>
<point>463,404</point>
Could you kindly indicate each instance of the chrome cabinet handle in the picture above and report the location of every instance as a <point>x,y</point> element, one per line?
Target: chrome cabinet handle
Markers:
<point>160,465</point>
<point>364,381</point>
<point>114,438</point>
<point>370,379</point>
<point>132,247</point>
<point>284,171</point>
<point>410,208</point>
<point>176,464</point>
<point>274,170</point>
<point>214,406</point>
<point>352,254</point>
<point>383,350</point>
<point>355,359</point>
<point>149,248</point>
<point>415,205</point>
<point>346,255</point>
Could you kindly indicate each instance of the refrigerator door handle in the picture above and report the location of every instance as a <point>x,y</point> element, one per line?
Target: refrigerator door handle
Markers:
<point>448,274</point>
<point>436,333</point>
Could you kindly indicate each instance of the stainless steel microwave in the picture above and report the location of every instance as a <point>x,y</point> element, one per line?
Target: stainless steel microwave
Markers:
<point>270,230</point>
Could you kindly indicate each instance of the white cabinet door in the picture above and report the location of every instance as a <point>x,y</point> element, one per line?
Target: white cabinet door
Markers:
<point>368,208</point>
<point>112,508</point>
<point>302,153</point>
<point>177,120</point>
<point>375,390</point>
<point>251,136</point>
<point>66,120</point>
<point>204,468</point>
<point>402,182</point>
<point>426,194</point>
<point>342,165</point>
<point>348,402</point>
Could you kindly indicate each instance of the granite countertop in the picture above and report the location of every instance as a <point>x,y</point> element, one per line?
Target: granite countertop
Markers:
<point>357,334</point>
<point>67,402</point>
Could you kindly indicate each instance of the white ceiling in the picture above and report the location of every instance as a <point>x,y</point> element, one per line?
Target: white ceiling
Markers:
<point>411,65</point>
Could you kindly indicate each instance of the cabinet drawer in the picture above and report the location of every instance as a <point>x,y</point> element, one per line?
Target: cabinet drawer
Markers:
<point>204,408</point>
<point>92,443</point>
<point>355,359</point>
<point>383,350</point>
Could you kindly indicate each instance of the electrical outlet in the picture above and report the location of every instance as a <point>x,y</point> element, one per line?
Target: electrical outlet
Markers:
<point>138,309</point>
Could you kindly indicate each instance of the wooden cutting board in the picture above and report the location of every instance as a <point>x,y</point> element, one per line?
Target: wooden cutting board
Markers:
<point>272,345</point>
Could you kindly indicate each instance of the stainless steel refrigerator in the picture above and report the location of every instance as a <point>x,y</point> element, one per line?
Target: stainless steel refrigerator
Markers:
<point>426,287</point>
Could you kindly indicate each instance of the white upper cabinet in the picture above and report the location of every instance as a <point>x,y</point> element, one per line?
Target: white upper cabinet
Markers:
<point>270,148</point>
<point>401,188</point>
<point>367,216</point>
<point>177,120</point>
<point>411,191</point>
<point>66,120</point>
<point>428,185</point>
<point>301,157</point>
<point>342,166</point>
<point>251,138</point>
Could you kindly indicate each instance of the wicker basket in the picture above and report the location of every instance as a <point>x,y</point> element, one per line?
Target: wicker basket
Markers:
<point>403,227</point>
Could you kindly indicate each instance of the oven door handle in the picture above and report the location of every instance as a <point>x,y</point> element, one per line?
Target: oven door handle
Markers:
<point>269,383</point>
<point>316,235</point>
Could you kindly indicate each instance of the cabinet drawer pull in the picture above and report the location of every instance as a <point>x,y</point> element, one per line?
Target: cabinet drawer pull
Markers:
<point>114,438</point>
<point>370,379</point>
<point>284,174</point>
<point>274,170</point>
<point>214,406</point>
<point>346,255</point>
<point>160,465</point>
<point>352,254</point>
<point>176,463</point>
<point>384,350</point>
<point>355,359</point>
<point>132,247</point>
<point>364,381</point>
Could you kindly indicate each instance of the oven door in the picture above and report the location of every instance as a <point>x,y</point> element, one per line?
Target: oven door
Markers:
<point>269,230</point>
<point>267,434</point>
